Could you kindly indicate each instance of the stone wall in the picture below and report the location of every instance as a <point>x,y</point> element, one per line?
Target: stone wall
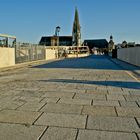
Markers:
<point>130,55</point>
<point>7,57</point>
<point>50,54</point>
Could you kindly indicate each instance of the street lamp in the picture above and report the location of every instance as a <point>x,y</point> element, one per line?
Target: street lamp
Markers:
<point>57,34</point>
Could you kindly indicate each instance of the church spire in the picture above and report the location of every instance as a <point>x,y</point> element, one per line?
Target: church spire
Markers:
<point>76,24</point>
<point>76,33</point>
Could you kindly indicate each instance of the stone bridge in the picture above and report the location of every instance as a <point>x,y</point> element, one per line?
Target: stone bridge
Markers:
<point>90,98</point>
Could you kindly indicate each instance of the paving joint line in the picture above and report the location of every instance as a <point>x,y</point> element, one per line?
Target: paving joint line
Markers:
<point>137,122</point>
<point>58,100</point>
<point>82,110</point>
<point>137,103</point>
<point>137,136</point>
<point>37,118</point>
<point>41,135</point>
<point>77,134</point>
<point>130,74</point>
<point>124,98</point>
<point>41,107</point>
<point>116,111</point>
<point>92,102</point>
<point>106,97</point>
<point>73,96</point>
<point>119,131</point>
<point>20,106</point>
<point>86,122</point>
<point>119,103</point>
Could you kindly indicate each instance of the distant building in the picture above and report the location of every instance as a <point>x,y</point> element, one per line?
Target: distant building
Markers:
<point>54,40</point>
<point>98,44</point>
<point>70,45</point>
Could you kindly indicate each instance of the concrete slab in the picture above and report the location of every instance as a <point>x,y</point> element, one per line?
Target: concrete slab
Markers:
<point>20,132</point>
<point>90,96</point>
<point>97,91</point>
<point>115,97</point>
<point>75,101</point>
<point>57,133</point>
<point>21,117</point>
<point>128,104</point>
<point>11,104</point>
<point>128,111</point>
<point>49,100</point>
<point>59,94</point>
<point>29,99</point>
<point>132,97</point>
<point>105,103</point>
<point>99,111</point>
<point>105,135</point>
<point>31,106</point>
<point>62,120</point>
<point>113,124</point>
<point>62,108</point>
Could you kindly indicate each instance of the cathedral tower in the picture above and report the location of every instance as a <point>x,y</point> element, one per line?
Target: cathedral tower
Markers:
<point>76,33</point>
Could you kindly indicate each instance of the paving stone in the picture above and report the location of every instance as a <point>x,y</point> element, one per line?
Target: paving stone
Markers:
<point>29,99</point>
<point>90,96</point>
<point>119,93</point>
<point>113,89</point>
<point>11,104</point>
<point>62,120</point>
<point>104,135</point>
<point>62,108</point>
<point>33,93</point>
<point>75,101</point>
<point>132,97</point>
<point>136,92</point>
<point>112,124</point>
<point>21,117</point>
<point>115,97</point>
<point>73,90</point>
<point>97,91</point>
<point>105,103</point>
<point>49,100</point>
<point>128,111</point>
<point>99,111</point>
<point>128,104</point>
<point>59,94</point>
<point>57,133</point>
<point>31,106</point>
<point>20,132</point>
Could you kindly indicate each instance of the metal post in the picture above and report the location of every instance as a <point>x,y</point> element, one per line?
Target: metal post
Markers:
<point>57,34</point>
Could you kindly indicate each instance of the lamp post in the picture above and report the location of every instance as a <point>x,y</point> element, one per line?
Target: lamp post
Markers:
<point>57,34</point>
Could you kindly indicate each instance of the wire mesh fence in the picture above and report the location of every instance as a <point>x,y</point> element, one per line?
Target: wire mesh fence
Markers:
<point>26,52</point>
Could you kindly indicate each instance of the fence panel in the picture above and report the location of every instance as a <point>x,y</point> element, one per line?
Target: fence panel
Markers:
<point>29,52</point>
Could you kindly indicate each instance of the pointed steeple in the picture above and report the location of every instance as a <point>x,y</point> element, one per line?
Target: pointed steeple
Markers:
<point>76,24</point>
<point>76,30</point>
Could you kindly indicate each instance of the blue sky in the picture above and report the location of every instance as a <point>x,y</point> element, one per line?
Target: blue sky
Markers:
<point>31,19</point>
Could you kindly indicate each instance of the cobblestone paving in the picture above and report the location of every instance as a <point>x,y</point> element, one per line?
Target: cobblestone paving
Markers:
<point>91,98</point>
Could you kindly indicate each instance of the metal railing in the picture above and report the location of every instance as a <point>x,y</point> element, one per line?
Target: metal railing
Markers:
<point>25,52</point>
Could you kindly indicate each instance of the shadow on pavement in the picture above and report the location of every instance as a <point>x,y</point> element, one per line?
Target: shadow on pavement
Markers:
<point>121,84</point>
<point>90,62</point>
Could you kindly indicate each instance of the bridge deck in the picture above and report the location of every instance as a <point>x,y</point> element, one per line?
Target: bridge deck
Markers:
<point>91,98</point>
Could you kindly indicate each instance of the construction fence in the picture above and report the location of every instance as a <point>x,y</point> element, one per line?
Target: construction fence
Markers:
<point>25,52</point>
